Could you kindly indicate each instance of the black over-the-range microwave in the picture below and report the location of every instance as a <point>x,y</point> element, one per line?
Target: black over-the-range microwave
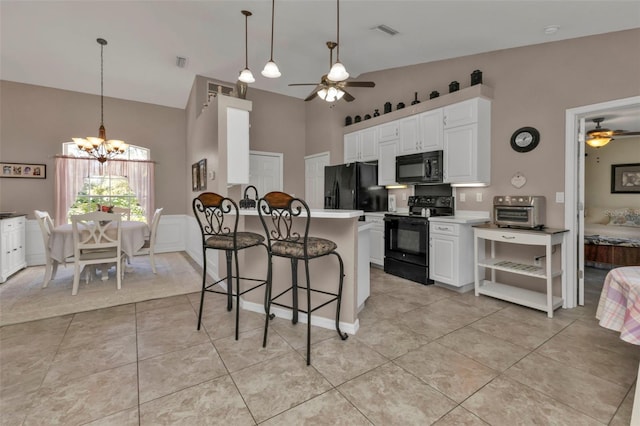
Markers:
<point>421,168</point>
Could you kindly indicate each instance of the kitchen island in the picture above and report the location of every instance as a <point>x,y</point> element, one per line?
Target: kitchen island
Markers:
<point>351,235</point>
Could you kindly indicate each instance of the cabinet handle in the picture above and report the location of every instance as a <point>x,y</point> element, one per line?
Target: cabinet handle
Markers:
<point>440,228</point>
<point>507,237</point>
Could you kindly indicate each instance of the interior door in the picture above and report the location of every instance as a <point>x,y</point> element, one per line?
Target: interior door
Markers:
<point>580,210</point>
<point>265,171</point>
<point>314,179</point>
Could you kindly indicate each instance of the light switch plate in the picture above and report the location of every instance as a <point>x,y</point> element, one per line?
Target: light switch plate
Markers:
<point>463,197</point>
<point>479,197</point>
<point>559,197</point>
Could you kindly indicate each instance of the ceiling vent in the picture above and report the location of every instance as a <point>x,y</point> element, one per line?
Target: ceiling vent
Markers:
<point>385,29</point>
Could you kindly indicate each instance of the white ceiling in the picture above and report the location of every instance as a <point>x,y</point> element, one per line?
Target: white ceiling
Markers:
<point>53,43</point>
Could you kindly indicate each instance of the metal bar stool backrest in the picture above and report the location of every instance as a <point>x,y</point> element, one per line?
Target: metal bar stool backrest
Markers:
<point>277,210</point>
<point>210,209</point>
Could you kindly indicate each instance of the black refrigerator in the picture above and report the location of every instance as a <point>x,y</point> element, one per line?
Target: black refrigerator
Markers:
<point>354,186</point>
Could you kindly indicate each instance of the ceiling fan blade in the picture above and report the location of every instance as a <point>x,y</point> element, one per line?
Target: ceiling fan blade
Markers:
<point>359,84</point>
<point>303,84</point>
<point>619,133</point>
<point>347,96</point>
<point>313,93</point>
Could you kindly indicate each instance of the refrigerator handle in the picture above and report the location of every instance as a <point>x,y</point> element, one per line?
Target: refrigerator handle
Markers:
<point>336,192</point>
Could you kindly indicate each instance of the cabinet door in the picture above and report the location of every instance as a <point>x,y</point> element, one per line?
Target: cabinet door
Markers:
<point>388,131</point>
<point>461,113</point>
<point>409,135</point>
<point>369,144</point>
<point>430,130</point>
<point>443,262</point>
<point>237,146</point>
<point>5,255</point>
<point>387,152</point>
<point>351,147</point>
<point>377,246</point>
<point>460,154</point>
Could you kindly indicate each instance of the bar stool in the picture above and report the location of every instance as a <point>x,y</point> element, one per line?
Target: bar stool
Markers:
<point>210,210</point>
<point>277,211</point>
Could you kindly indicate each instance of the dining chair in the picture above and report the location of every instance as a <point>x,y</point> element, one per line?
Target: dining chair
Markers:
<point>97,239</point>
<point>290,239</point>
<point>150,243</point>
<point>46,226</point>
<point>123,211</point>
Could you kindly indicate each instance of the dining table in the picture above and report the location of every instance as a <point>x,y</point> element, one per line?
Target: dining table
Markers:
<point>133,234</point>
<point>619,310</point>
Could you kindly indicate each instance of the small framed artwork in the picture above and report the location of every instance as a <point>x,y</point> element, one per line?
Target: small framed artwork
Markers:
<point>625,178</point>
<point>21,170</point>
<point>195,184</point>
<point>202,174</point>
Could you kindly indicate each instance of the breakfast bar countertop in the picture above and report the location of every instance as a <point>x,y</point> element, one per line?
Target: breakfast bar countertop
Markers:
<point>319,213</point>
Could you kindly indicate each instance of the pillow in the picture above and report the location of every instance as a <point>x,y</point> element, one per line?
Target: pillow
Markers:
<point>624,217</point>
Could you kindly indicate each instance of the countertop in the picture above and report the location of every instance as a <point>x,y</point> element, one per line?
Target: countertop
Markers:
<point>10,215</point>
<point>521,230</point>
<point>459,219</point>
<point>317,213</point>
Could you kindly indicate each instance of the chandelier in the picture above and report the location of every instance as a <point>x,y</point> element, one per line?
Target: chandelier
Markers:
<point>99,147</point>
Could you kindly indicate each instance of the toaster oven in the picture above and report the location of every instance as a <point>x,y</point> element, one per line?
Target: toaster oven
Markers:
<point>519,211</point>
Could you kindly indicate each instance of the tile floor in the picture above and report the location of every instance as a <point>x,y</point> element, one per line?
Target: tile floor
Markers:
<point>423,355</point>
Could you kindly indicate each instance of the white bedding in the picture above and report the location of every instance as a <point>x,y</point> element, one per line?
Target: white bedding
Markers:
<point>628,232</point>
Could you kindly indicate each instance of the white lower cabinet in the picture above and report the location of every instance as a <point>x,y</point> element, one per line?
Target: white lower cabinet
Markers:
<point>12,246</point>
<point>451,254</point>
<point>376,255</point>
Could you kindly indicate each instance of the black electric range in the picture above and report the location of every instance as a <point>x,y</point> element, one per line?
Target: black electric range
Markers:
<point>406,251</point>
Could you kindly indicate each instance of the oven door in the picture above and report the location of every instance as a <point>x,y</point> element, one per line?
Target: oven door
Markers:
<point>406,239</point>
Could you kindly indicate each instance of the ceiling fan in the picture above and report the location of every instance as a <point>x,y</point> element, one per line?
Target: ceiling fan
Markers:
<point>330,90</point>
<point>601,136</point>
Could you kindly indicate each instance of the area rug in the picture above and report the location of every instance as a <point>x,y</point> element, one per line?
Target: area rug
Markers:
<point>22,297</point>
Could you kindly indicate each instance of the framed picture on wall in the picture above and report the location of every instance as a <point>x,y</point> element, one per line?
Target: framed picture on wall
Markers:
<point>195,184</point>
<point>625,178</point>
<point>202,174</point>
<point>22,170</point>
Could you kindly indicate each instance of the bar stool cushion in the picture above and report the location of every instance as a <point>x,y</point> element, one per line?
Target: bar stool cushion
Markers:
<point>225,242</point>
<point>315,246</point>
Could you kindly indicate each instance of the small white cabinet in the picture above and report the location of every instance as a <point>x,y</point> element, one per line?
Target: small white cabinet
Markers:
<point>451,254</point>
<point>421,132</point>
<point>388,131</point>
<point>376,254</point>
<point>12,246</point>
<point>409,141</point>
<point>387,152</point>
<point>361,145</point>
<point>543,300</point>
<point>467,142</point>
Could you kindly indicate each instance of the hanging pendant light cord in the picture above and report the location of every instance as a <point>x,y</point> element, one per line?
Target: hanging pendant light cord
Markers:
<point>338,33</point>
<point>101,84</point>
<point>273,7</point>
<point>246,43</point>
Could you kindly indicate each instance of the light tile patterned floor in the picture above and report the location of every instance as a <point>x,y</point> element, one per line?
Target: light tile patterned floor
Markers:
<point>422,356</point>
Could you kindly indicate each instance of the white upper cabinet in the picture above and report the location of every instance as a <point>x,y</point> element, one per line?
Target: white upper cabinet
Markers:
<point>361,145</point>
<point>387,163</point>
<point>467,142</point>
<point>421,132</point>
<point>430,129</point>
<point>237,146</point>
<point>388,131</point>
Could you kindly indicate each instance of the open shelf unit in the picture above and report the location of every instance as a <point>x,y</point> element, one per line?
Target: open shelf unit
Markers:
<point>544,301</point>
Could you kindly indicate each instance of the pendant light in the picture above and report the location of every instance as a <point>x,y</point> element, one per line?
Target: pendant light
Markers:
<point>338,71</point>
<point>599,136</point>
<point>245,75</point>
<point>271,69</point>
<point>100,148</point>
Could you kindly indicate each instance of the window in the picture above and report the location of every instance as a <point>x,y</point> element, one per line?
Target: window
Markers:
<point>82,183</point>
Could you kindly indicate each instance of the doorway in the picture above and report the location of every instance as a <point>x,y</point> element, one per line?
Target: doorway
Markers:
<point>314,179</point>
<point>575,193</point>
<point>265,171</point>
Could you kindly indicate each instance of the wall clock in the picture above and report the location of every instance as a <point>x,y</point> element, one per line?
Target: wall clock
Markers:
<point>525,139</point>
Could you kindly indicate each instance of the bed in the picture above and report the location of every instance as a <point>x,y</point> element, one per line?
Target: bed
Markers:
<point>612,237</point>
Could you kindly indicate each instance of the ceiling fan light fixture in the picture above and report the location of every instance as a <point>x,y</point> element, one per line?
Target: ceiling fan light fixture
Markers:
<point>330,94</point>
<point>271,70</point>
<point>338,72</point>
<point>598,142</point>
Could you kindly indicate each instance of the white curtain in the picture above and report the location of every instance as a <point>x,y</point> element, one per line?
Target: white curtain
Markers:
<point>71,171</point>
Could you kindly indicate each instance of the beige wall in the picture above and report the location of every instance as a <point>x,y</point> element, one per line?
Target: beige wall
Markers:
<point>597,167</point>
<point>35,121</point>
<point>533,86</point>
